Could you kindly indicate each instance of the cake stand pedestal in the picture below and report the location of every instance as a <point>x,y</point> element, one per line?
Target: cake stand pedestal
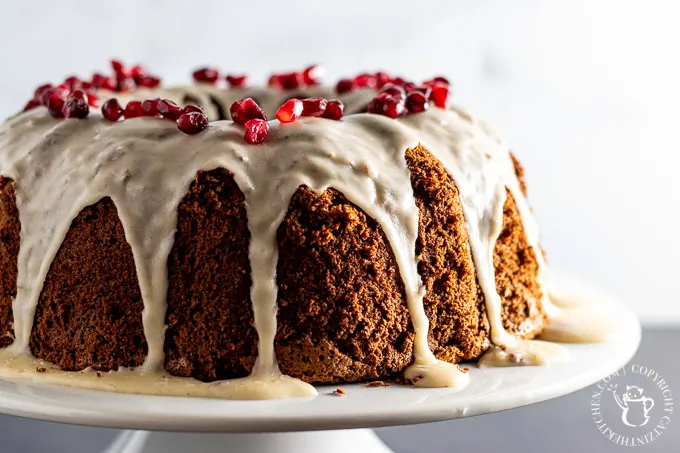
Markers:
<point>326,423</point>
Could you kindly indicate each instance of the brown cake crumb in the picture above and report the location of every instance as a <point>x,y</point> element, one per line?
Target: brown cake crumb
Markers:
<point>41,370</point>
<point>339,392</point>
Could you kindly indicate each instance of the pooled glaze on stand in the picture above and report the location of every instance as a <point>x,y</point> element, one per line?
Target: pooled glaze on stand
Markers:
<point>146,166</point>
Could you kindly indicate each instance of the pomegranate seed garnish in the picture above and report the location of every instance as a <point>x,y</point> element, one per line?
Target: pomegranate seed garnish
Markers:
<point>314,106</point>
<point>137,71</point>
<point>30,105</point>
<point>92,99</point>
<point>125,84</point>
<point>246,109</point>
<point>436,81</point>
<point>388,105</point>
<point>344,86</point>
<point>148,81</point>
<point>274,81</point>
<point>365,80</point>
<point>41,91</point>
<point>289,111</point>
<point>150,107</point>
<point>104,82</point>
<point>424,89</point>
<point>393,90</point>
<point>206,75</point>
<point>60,91</point>
<point>334,110</point>
<point>381,79</point>
<point>440,95</point>
<point>395,107</point>
<point>169,109</point>
<point>256,131</point>
<point>236,81</point>
<point>133,109</point>
<point>409,86</point>
<point>416,102</point>
<point>76,105</point>
<point>311,75</point>
<point>290,81</point>
<point>72,82</point>
<point>118,68</point>
<point>192,109</point>
<point>111,110</point>
<point>192,123</point>
<point>55,104</point>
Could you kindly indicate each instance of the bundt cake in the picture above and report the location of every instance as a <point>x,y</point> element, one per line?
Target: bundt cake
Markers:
<point>371,232</point>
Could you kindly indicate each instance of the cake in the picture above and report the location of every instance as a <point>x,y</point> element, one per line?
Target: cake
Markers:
<point>390,241</point>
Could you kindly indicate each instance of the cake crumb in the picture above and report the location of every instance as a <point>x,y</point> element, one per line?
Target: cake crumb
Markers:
<point>378,384</point>
<point>339,392</point>
<point>99,374</point>
<point>41,369</point>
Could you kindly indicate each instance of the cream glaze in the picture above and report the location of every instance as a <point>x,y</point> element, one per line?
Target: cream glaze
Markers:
<point>146,166</point>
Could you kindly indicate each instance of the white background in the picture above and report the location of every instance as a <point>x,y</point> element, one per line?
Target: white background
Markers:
<point>585,91</point>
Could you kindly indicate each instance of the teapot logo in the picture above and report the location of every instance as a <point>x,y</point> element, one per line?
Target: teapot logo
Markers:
<point>634,406</point>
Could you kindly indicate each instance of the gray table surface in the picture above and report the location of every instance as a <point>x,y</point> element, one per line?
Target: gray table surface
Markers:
<point>560,425</point>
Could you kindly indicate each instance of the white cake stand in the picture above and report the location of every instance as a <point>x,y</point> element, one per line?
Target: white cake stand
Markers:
<point>327,423</point>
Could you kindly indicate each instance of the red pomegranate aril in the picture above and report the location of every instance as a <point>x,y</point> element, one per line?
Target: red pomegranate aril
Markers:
<point>365,80</point>
<point>377,104</point>
<point>314,106</point>
<point>256,131</point>
<point>60,91</point>
<point>246,109</point>
<point>41,91</point>
<point>395,108</point>
<point>290,81</point>
<point>55,104</point>
<point>311,75</point>
<point>137,71</point>
<point>72,82</point>
<point>76,105</point>
<point>416,102</point>
<point>150,107</point>
<point>382,79</point>
<point>424,89</point>
<point>111,110</point>
<point>148,81</point>
<point>30,105</point>
<point>206,75</point>
<point>437,81</point>
<point>344,86</point>
<point>192,123</point>
<point>289,111</point>
<point>237,81</point>
<point>409,86</point>
<point>440,95</point>
<point>192,109</point>
<point>133,109</point>
<point>118,68</point>
<point>168,109</point>
<point>125,84</point>
<point>274,81</point>
<point>92,99</point>
<point>334,110</point>
<point>393,90</point>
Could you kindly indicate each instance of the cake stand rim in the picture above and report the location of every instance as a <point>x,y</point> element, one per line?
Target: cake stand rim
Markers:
<point>491,390</point>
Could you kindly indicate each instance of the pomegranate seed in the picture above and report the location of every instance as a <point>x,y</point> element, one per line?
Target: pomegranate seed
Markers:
<point>377,104</point>
<point>393,90</point>
<point>409,86</point>
<point>344,86</point>
<point>440,95</point>
<point>137,71</point>
<point>192,109</point>
<point>169,109</point>
<point>92,99</point>
<point>424,89</point>
<point>111,110</point>
<point>133,109</point>
<point>385,104</point>
<point>246,109</point>
<point>289,111</point>
<point>30,105</point>
<point>274,81</point>
<point>399,81</point>
<point>55,104</point>
<point>206,75</point>
<point>150,107</point>
<point>437,81</point>
<point>365,80</point>
<point>256,131</point>
<point>314,106</point>
<point>76,105</point>
<point>416,102</point>
<point>104,82</point>
<point>125,84</point>
<point>60,91</point>
<point>334,110</point>
<point>395,107</point>
<point>118,68</point>
<point>192,123</point>
<point>72,82</point>
<point>148,81</point>
<point>236,81</point>
<point>312,74</point>
<point>382,79</point>
<point>41,91</point>
<point>290,81</point>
